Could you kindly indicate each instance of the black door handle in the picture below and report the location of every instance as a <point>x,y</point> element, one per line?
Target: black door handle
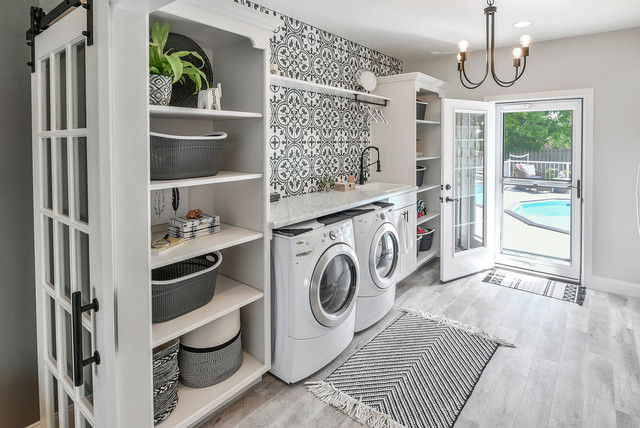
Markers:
<point>448,199</point>
<point>78,359</point>
<point>579,189</point>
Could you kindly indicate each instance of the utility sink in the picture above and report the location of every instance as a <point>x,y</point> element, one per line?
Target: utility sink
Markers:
<point>380,187</point>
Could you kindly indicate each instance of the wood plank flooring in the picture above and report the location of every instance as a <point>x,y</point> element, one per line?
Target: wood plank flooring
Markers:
<point>573,366</point>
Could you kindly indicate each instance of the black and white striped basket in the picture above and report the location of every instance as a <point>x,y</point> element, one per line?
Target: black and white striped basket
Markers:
<point>203,367</point>
<point>165,380</point>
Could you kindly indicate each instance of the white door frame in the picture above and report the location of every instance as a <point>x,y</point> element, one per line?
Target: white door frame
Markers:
<point>587,96</point>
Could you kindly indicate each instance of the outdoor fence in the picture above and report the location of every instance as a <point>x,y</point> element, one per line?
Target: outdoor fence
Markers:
<point>549,162</point>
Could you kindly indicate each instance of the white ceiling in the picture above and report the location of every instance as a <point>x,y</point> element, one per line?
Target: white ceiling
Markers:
<point>415,29</point>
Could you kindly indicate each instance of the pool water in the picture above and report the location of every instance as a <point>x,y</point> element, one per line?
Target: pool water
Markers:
<point>549,214</point>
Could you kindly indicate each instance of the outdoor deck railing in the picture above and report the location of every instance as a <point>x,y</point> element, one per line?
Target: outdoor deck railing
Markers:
<point>543,166</point>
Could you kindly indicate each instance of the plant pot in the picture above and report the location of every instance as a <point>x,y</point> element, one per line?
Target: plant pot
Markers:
<point>159,89</point>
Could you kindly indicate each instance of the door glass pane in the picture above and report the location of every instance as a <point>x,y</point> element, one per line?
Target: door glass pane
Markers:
<point>53,395</point>
<point>336,284</point>
<point>47,177</point>
<point>63,177</point>
<point>88,370</point>
<point>46,94</point>
<point>61,98</point>
<point>64,259</point>
<point>48,251</point>
<point>69,409</point>
<point>81,192</point>
<point>50,319</point>
<point>538,144</point>
<point>68,340</point>
<point>386,255</point>
<point>82,267</point>
<point>79,90</point>
<point>469,210</point>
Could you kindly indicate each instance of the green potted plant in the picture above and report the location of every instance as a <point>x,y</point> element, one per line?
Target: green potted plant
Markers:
<point>326,183</point>
<point>167,68</point>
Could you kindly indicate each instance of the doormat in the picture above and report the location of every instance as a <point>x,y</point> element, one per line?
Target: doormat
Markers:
<point>418,372</point>
<point>533,284</point>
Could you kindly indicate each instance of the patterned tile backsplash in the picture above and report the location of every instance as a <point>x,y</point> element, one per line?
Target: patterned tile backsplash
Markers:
<point>312,134</point>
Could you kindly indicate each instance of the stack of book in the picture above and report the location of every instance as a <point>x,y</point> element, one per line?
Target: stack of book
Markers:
<point>191,228</point>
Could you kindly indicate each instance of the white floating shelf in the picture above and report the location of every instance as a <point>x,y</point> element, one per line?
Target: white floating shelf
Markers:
<point>228,236</point>
<point>426,218</point>
<point>427,122</point>
<point>424,158</point>
<point>221,177</point>
<point>230,295</point>
<point>428,186</point>
<point>288,82</point>
<point>425,256</point>
<point>196,403</point>
<point>171,112</point>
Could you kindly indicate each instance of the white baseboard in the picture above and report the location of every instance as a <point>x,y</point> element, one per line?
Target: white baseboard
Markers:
<point>34,425</point>
<point>614,286</point>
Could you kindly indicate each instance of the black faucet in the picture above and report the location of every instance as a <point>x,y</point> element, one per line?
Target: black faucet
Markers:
<point>362,162</point>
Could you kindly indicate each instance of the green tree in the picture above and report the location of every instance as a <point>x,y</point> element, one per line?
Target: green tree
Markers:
<point>533,131</point>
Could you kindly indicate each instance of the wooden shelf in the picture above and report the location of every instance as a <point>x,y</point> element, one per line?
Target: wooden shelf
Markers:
<point>171,112</point>
<point>221,177</point>
<point>425,158</point>
<point>230,295</point>
<point>325,89</point>
<point>428,186</point>
<point>228,236</point>
<point>196,403</point>
<point>425,256</point>
<point>426,122</point>
<point>426,218</point>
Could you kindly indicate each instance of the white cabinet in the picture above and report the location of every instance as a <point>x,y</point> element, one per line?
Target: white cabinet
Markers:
<point>405,222</point>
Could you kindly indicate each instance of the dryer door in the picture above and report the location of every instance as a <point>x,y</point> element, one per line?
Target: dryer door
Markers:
<point>334,285</point>
<point>383,256</point>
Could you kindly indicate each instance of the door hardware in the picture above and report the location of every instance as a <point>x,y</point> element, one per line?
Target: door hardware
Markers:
<point>451,200</point>
<point>79,363</point>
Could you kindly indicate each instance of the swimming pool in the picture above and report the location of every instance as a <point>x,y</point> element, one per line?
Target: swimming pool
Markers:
<point>552,214</point>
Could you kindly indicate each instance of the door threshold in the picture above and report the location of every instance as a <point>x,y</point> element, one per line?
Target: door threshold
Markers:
<point>543,275</point>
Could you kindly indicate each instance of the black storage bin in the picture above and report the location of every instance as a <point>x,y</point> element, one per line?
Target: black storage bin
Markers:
<point>175,157</point>
<point>420,170</point>
<point>421,110</point>
<point>427,240</point>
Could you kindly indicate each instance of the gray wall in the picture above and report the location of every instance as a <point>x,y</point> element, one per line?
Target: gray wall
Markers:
<point>18,357</point>
<point>608,63</point>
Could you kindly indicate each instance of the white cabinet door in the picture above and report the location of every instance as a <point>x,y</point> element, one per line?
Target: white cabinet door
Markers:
<point>71,258</point>
<point>468,176</point>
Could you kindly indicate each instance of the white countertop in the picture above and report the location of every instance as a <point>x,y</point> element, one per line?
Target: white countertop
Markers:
<point>295,209</point>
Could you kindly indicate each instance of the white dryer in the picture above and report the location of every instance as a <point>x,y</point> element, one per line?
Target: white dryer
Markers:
<point>377,247</point>
<point>315,283</point>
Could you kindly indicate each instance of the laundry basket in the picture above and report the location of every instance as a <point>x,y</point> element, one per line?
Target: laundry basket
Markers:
<point>165,380</point>
<point>175,157</point>
<point>427,240</point>
<point>184,286</point>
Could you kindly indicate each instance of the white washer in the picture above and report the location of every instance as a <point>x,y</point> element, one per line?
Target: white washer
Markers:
<point>315,283</point>
<point>377,247</point>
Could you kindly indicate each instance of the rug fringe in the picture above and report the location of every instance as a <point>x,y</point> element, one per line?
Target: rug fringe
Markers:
<point>582,294</point>
<point>475,331</point>
<point>351,407</point>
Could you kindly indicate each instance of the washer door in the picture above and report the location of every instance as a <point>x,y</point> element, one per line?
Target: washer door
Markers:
<point>334,285</point>
<point>383,256</point>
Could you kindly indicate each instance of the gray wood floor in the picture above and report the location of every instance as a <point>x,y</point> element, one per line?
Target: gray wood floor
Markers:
<point>573,366</point>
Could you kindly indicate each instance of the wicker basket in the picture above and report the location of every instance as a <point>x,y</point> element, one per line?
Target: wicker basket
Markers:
<point>175,157</point>
<point>184,286</point>
<point>200,368</point>
<point>165,380</point>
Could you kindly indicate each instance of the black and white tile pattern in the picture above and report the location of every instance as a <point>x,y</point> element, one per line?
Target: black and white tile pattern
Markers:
<point>313,134</point>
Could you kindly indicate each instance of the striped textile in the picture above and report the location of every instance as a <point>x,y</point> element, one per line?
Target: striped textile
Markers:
<point>546,287</point>
<point>419,372</point>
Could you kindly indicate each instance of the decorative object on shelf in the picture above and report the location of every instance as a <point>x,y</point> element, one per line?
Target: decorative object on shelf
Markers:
<point>166,60</point>
<point>168,203</point>
<point>420,170</point>
<point>197,213</point>
<point>421,110</point>
<point>326,183</point>
<point>194,227</point>
<point>273,69</point>
<point>181,287</point>
<point>274,197</point>
<point>519,54</point>
<point>159,89</point>
<point>165,380</point>
<point>421,208</point>
<point>367,80</point>
<point>209,99</point>
<point>165,244</point>
<point>212,353</point>
<point>175,157</point>
<point>345,186</point>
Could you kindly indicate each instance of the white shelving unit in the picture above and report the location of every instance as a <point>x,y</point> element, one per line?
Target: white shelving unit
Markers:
<point>221,177</point>
<point>172,112</point>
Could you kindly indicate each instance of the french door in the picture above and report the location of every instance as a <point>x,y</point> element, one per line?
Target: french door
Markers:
<point>540,191</point>
<point>70,260</point>
<point>468,189</point>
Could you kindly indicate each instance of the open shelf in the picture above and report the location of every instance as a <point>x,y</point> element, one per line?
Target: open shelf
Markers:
<point>427,122</point>
<point>230,295</point>
<point>196,403</point>
<point>428,186</point>
<point>426,218</point>
<point>227,237</point>
<point>425,158</point>
<point>221,177</point>
<point>171,112</point>
<point>425,256</point>
<point>325,89</point>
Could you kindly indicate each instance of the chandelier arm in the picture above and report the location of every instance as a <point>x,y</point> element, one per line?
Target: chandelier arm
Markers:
<point>472,84</point>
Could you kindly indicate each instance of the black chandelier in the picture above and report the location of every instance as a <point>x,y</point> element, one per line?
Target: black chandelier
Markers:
<point>519,54</point>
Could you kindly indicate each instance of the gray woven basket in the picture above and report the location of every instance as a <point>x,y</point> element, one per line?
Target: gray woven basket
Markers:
<point>200,368</point>
<point>165,381</point>
<point>184,286</point>
<point>175,157</point>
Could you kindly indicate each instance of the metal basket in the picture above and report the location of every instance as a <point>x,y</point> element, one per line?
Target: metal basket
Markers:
<point>174,157</point>
<point>184,286</point>
<point>200,368</point>
<point>165,380</point>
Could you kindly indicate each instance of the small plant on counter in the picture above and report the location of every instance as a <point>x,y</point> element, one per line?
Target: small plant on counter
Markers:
<point>326,183</point>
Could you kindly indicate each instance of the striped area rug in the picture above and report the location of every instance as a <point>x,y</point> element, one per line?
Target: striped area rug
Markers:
<point>419,372</point>
<point>533,284</point>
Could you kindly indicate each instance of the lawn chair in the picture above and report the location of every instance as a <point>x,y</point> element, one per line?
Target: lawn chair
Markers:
<point>523,170</point>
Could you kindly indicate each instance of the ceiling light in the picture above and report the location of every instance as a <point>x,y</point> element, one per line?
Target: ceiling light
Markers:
<point>522,24</point>
<point>519,54</point>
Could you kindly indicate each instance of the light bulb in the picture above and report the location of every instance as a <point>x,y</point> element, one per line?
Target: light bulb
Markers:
<point>517,53</point>
<point>463,45</point>
<point>525,41</point>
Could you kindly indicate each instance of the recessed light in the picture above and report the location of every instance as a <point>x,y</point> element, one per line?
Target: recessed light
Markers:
<point>522,24</point>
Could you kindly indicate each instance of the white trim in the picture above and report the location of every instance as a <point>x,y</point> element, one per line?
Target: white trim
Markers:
<point>614,286</point>
<point>587,95</point>
<point>34,425</point>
